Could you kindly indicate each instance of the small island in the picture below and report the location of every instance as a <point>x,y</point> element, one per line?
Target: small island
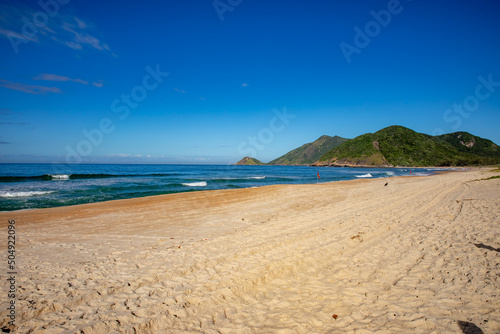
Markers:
<point>249,161</point>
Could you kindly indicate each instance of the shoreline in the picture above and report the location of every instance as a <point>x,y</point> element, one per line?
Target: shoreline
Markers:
<point>210,190</point>
<point>154,199</point>
<point>415,255</point>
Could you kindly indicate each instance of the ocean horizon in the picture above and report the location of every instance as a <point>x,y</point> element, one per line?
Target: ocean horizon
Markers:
<point>42,185</point>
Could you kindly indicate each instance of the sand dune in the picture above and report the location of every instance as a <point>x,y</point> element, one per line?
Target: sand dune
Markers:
<point>420,255</point>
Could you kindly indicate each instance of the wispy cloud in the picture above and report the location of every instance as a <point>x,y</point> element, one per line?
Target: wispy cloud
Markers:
<point>13,34</point>
<point>131,157</point>
<point>244,84</point>
<point>75,35</point>
<point>180,91</point>
<point>68,30</point>
<point>30,89</point>
<point>80,23</point>
<point>98,83</point>
<point>55,77</point>
<point>11,22</point>
<point>6,112</point>
<point>120,155</point>
<point>14,123</point>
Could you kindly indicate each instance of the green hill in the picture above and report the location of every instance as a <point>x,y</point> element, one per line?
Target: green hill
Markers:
<point>310,152</point>
<point>360,151</point>
<point>249,161</point>
<point>465,142</point>
<point>400,146</point>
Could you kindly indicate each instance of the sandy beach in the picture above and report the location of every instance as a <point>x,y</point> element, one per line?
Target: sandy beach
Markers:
<point>418,255</point>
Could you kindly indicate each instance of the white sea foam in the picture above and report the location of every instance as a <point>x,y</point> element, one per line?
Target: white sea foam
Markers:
<point>60,176</point>
<point>10,194</point>
<point>364,175</point>
<point>390,173</point>
<point>257,177</point>
<point>195,184</point>
<point>421,174</point>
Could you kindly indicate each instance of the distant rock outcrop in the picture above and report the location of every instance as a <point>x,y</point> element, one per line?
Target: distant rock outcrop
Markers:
<point>249,161</point>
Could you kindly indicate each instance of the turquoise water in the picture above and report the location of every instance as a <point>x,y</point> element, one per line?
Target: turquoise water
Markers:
<point>30,186</point>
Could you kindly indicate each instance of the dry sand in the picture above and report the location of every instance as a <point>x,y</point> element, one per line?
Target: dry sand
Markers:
<point>420,255</point>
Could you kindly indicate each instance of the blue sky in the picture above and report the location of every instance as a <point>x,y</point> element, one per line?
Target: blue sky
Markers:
<point>213,81</point>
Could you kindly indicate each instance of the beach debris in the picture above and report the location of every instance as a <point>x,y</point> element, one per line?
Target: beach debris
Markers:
<point>6,329</point>
<point>334,316</point>
<point>385,185</point>
<point>358,237</point>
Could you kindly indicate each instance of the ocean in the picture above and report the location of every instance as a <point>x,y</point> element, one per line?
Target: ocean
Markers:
<point>31,186</point>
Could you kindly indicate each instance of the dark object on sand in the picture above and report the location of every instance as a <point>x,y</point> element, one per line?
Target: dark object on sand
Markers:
<point>385,185</point>
<point>469,328</point>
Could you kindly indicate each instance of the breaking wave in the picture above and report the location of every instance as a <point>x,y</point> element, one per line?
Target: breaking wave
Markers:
<point>60,177</point>
<point>50,177</point>
<point>195,184</point>
<point>11,194</point>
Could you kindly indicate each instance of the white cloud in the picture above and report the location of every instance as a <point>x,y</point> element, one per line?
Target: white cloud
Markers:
<point>30,89</point>
<point>55,77</point>
<point>98,83</point>
<point>67,30</point>
<point>74,30</point>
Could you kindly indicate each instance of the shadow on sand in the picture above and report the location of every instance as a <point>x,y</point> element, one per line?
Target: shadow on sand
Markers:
<point>487,247</point>
<point>469,328</point>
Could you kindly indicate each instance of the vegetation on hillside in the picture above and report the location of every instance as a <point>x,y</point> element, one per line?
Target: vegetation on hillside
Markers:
<point>468,143</point>
<point>361,150</point>
<point>310,152</point>
<point>400,146</point>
